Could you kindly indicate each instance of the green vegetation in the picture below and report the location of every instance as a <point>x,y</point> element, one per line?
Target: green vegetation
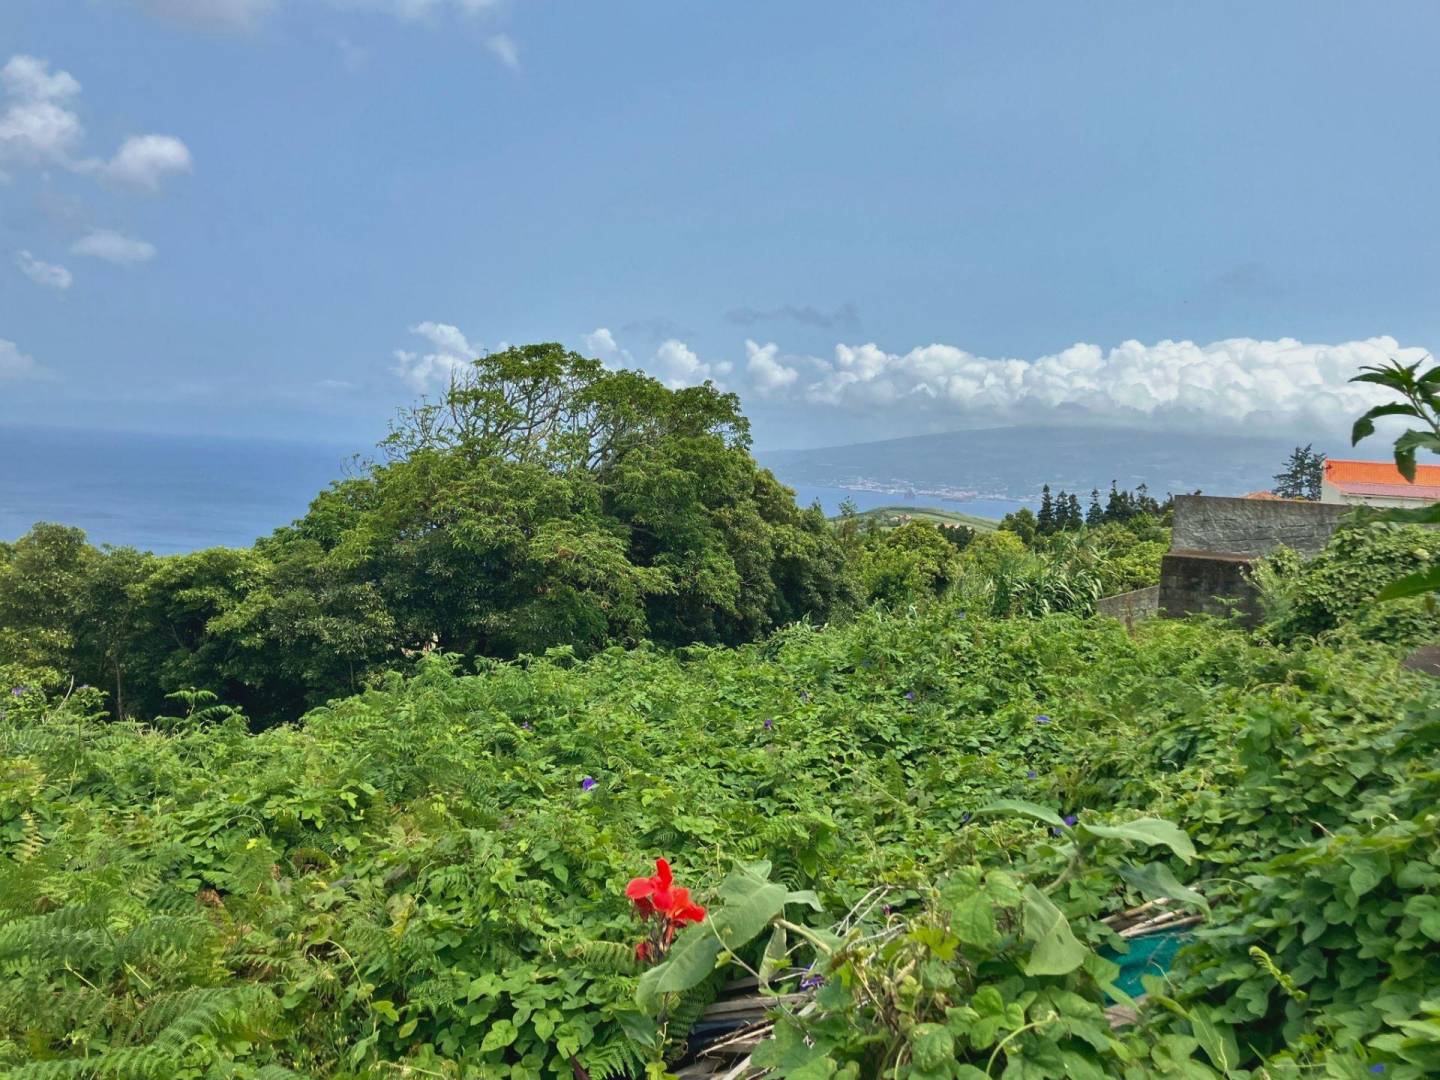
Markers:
<point>544,502</point>
<point>890,517</point>
<point>904,771</point>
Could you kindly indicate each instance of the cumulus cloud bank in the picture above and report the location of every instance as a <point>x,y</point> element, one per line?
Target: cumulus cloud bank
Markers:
<point>1225,385</point>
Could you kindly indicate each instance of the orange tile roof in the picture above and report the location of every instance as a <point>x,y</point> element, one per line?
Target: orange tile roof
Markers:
<point>1383,478</point>
<point>1376,472</point>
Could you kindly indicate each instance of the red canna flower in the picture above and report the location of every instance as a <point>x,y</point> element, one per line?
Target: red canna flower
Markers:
<point>645,890</point>
<point>665,906</point>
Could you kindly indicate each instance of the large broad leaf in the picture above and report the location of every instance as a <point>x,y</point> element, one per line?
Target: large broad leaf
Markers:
<point>1055,951</point>
<point>1145,831</point>
<point>1407,444</point>
<point>1158,881</point>
<point>1413,584</point>
<point>1020,806</point>
<point>1366,424</point>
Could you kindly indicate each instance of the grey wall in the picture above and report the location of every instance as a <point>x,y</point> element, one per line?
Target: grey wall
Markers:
<point>1131,607</point>
<point>1252,527</point>
<point>1204,583</point>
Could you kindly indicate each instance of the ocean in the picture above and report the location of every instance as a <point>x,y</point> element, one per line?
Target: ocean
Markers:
<point>171,493</point>
<point>161,493</point>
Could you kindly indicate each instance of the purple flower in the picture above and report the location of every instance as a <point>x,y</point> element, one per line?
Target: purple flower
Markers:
<point>769,723</point>
<point>811,980</point>
<point>587,783</point>
<point>526,725</point>
<point>1042,719</point>
<point>886,908</point>
<point>1031,775</point>
<point>1377,1069</point>
<point>965,817</point>
<point>959,614</point>
<point>909,695</point>
<point>1069,819</point>
<point>18,691</point>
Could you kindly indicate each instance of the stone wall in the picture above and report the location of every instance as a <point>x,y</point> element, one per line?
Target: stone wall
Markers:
<point>1207,583</point>
<point>1131,607</point>
<point>1252,527</point>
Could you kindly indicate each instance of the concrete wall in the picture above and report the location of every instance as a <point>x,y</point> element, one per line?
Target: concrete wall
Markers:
<point>1131,607</point>
<point>1207,583</point>
<point>1329,493</point>
<point>1252,527</point>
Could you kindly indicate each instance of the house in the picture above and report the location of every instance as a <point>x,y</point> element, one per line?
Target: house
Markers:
<point>1378,483</point>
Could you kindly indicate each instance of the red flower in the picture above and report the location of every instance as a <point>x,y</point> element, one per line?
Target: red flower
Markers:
<point>687,913</point>
<point>659,897</point>
<point>645,890</point>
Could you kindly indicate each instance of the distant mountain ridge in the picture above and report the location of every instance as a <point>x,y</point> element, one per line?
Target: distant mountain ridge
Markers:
<point>1013,462</point>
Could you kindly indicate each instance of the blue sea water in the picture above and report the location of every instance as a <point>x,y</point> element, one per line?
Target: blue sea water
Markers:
<point>162,493</point>
<point>170,493</point>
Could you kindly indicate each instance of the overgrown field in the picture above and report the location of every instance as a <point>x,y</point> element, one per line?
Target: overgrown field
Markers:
<point>416,880</point>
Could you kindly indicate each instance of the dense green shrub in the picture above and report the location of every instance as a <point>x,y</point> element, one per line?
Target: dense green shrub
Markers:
<point>418,876</point>
<point>1338,587</point>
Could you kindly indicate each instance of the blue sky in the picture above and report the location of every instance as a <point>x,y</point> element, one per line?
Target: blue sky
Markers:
<point>869,220</point>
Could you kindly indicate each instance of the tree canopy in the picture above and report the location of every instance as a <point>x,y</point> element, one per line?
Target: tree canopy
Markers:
<point>542,501</point>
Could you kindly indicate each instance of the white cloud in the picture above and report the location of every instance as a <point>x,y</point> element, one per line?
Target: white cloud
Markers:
<point>211,14</point>
<point>676,365</point>
<point>766,371</point>
<point>503,46</point>
<point>143,160</point>
<point>1225,384</point>
<point>113,247</point>
<point>432,371</point>
<point>50,275</point>
<point>601,342</point>
<point>28,78</point>
<point>14,364</point>
<point>35,128</point>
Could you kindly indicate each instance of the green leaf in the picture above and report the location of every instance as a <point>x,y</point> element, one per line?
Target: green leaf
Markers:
<point>1146,831</point>
<point>1020,806</point>
<point>1055,952</point>
<point>931,1045</point>
<point>1367,870</point>
<point>1425,908</point>
<point>1216,1039</point>
<point>1157,880</point>
<point>776,952</point>
<point>501,1034</point>
<point>1412,585</point>
<point>974,921</point>
<point>1366,424</point>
